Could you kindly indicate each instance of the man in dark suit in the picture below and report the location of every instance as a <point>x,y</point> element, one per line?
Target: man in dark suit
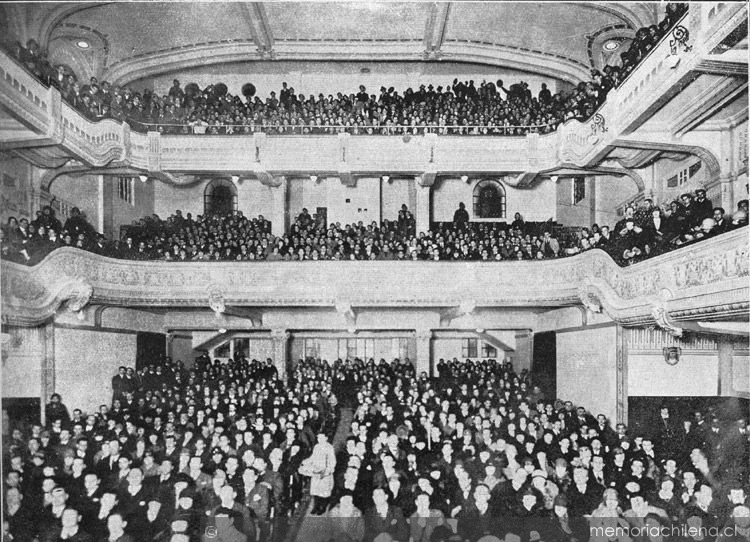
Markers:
<point>384,518</point>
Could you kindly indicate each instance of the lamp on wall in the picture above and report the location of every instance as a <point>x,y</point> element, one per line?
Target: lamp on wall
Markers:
<point>222,330</point>
<point>143,178</point>
<point>672,354</point>
<point>235,178</point>
<point>314,178</point>
<point>465,178</point>
<point>385,178</point>
<point>554,178</point>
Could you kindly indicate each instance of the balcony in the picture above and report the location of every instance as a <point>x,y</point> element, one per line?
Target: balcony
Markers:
<point>705,281</point>
<point>40,120</point>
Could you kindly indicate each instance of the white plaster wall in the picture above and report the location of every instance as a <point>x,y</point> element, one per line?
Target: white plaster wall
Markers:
<point>395,193</point>
<point>536,204</point>
<point>253,198</point>
<point>22,362</point>
<point>696,374</point>
<point>83,376</point>
<point>586,369</point>
<point>316,77</point>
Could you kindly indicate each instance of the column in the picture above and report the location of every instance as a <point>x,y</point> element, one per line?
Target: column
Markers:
<point>424,351</point>
<point>280,339</point>
<point>726,182</point>
<point>726,382</point>
<point>47,335</point>
<point>422,212</point>
<point>278,217</point>
<point>621,363</point>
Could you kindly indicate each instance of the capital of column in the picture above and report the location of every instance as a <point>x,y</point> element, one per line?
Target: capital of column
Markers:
<point>280,335</point>
<point>423,334</point>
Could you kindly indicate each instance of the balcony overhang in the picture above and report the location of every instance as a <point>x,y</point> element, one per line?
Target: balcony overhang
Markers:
<point>703,282</point>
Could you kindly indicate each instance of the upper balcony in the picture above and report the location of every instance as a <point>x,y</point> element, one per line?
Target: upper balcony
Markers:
<point>48,131</point>
<point>708,281</point>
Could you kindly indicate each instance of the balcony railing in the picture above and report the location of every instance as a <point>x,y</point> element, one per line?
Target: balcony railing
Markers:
<point>688,283</point>
<point>657,76</point>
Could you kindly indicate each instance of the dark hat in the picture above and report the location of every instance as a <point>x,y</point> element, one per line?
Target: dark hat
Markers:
<point>561,500</point>
<point>188,493</point>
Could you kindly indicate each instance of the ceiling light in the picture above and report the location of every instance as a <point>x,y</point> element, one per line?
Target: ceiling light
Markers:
<point>610,45</point>
<point>83,44</point>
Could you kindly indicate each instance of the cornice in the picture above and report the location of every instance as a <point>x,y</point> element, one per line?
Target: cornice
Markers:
<point>462,51</point>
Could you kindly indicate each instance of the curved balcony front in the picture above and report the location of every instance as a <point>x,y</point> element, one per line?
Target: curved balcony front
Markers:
<point>708,280</point>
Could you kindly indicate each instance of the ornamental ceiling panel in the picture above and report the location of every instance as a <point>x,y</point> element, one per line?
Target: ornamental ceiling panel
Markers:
<point>347,20</point>
<point>134,29</point>
<point>553,29</point>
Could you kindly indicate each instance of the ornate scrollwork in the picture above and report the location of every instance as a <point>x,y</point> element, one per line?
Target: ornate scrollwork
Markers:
<point>598,124</point>
<point>680,38</point>
<point>78,296</point>
<point>216,302</point>
<point>589,299</point>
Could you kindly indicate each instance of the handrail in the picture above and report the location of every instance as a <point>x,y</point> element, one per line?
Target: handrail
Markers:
<point>703,282</point>
<point>299,129</point>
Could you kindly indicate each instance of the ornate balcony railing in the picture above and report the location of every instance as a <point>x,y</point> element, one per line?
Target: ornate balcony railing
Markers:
<point>707,280</point>
<point>656,79</point>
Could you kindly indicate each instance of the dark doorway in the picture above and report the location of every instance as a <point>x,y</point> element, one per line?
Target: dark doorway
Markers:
<point>151,348</point>
<point>220,197</point>
<point>544,364</point>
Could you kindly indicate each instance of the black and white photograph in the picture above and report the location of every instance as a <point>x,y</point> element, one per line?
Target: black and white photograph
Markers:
<point>374,271</point>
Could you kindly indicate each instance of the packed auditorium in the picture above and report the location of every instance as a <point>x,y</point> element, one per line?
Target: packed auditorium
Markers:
<point>375,272</point>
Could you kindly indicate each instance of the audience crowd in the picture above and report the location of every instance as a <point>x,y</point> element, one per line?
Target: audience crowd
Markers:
<point>644,230</point>
<point>229,451</point>
<point>458,108</point>
<point>178,454</point>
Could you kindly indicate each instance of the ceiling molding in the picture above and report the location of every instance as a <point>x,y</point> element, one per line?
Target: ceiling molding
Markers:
<point>55,16</point>
<point>635,15</point>
<point>437,23</point>
<point>159,62</point>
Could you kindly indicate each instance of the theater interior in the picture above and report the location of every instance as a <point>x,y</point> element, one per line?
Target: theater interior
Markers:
<point>148,151</point>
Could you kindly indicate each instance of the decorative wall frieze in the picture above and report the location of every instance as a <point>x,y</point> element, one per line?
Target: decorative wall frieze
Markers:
<point>628,295</point>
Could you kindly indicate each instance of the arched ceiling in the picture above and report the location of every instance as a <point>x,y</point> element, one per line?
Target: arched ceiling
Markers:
<point>134,40</point>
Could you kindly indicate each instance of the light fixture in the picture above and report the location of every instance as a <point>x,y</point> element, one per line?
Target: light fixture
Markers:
<point>385,178</point>
<point>314,178</point>
<point>235,178</point>
<point>465,178</point>
<point>611,45</point>
<point>554,178</point>
<point>83,44</point>
<point>352,330</point>
<point>143,178</point>
<point>222,330</point>
<point>480,330</point>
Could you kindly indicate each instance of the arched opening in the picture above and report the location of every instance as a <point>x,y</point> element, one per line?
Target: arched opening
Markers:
<point>489,199</point>
<point>220,197</point>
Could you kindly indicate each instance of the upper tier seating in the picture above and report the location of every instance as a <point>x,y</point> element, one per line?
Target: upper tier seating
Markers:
<point>460,108</point>
<point>641,233</point>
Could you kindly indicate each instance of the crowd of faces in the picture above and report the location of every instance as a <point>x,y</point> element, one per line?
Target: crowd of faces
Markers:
<point>476,451</point>
<point>645,230</point>
<point>178,453</point>
<point>460,108</point>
